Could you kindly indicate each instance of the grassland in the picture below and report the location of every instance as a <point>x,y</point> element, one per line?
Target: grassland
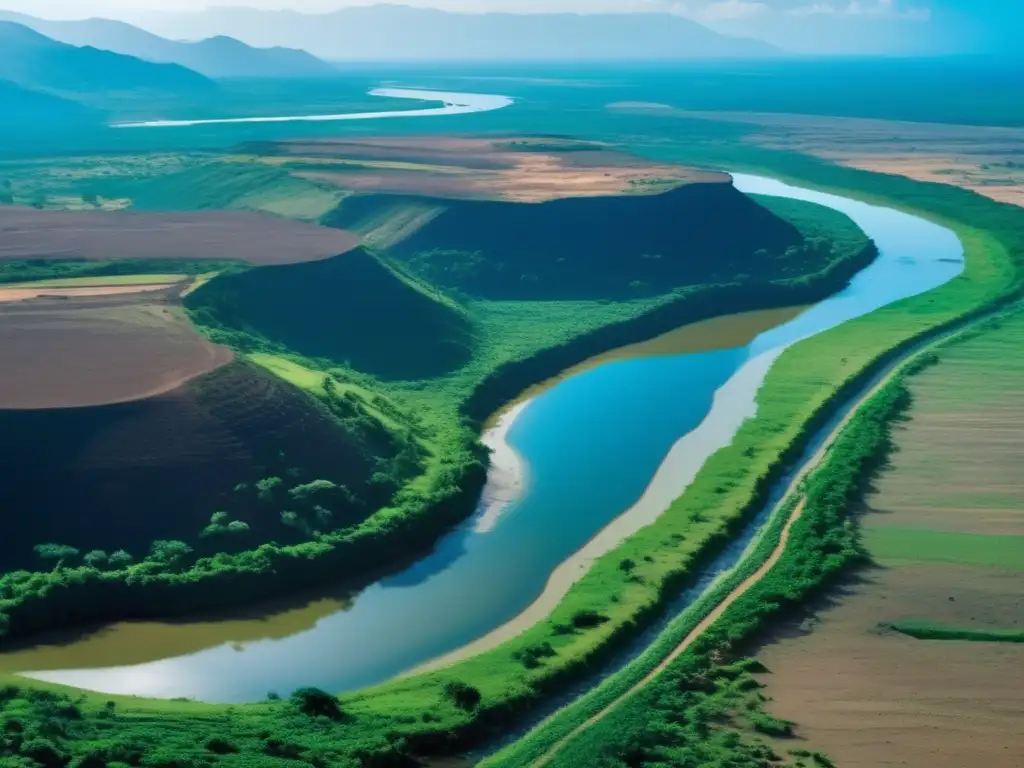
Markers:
<point>164,182</point>
<point>922,545</point>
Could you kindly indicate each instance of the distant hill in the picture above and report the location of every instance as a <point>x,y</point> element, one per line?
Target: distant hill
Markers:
<point>395,32</point>
<point>23,107</point>
<point>36,62</point>
<point>216,57</point>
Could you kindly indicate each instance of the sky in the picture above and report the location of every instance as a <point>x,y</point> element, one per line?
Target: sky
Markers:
<point>856,26</point>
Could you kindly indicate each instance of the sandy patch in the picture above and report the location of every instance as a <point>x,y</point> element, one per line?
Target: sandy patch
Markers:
<point>23,294</point>
<point>241,235</point>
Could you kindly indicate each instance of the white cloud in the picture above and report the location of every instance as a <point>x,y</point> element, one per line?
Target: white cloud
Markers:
<point>884,9</point>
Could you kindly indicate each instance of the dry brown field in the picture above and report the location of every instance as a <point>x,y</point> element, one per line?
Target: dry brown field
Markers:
<point>945,526</point>
<point>517,169</point>
<point>74,351</point>
<point>240,235</point>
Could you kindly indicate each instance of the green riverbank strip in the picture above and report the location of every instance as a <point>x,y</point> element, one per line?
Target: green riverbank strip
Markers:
<point>925,545</point>
<point>925,630</point>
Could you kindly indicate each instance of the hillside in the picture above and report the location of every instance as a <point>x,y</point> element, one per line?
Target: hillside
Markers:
<point>624,247</point>
<point>215,57</point>
<point>352,309</point>
<point>26,108</point>
<point>396,32</point>
<point>126,475</point>
<point>37,62</point>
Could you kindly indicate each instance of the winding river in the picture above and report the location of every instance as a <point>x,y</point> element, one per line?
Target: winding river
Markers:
<point>577,468</point>
<point>452,104</point>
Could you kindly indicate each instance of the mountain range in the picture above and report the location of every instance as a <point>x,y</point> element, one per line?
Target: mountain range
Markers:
<point>215,57</point>
<point>36,62</point>
<point>396,33</point>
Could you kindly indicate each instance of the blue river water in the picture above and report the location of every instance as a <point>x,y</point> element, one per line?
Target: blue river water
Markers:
<point>591,445</point>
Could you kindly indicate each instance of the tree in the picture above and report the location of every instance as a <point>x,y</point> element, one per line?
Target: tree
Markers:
<point>312,490</point>
<point>464,696</point>
<point>267,487</point>
<point>57,553</point>
<point>169,552</point>
<point>120,559</point>
<point>238,526</point>
<point>96,559</point>
<point>316,703</point>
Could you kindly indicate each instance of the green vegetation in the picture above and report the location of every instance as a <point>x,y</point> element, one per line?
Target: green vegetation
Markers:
<point>226,185</point>
<point>902,544</point>
<point>926,630</point>
<point>57,274</point>
<point>86,282</point>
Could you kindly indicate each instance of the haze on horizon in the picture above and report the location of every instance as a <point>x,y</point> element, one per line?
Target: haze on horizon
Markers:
<point>805,26</point>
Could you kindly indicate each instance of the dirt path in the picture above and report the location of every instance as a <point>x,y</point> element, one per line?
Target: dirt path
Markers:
<point>884,378</point>
<point>689,640</point>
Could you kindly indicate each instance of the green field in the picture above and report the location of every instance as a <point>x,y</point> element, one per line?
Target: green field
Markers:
<point>903,545</point>
<point>926,630</point>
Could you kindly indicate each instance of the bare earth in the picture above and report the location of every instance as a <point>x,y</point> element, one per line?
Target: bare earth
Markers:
<point>872,698</point>
<point>24,294</point>
<point>93,350</point>
<point>256,238</point>
<point>518,169</point>
<point>987,160</point>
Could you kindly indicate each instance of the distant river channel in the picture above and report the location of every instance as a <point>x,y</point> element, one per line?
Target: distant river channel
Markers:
<point>451,104</point>
<point>578,467</point>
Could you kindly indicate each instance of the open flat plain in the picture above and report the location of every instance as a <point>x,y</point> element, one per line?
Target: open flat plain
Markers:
<point>945,527</point>
<point>515,169</point>
<point>251,237</point>
<point>987,160</point>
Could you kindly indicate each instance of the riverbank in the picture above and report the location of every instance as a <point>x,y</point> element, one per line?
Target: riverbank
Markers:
<point>422,713</point>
